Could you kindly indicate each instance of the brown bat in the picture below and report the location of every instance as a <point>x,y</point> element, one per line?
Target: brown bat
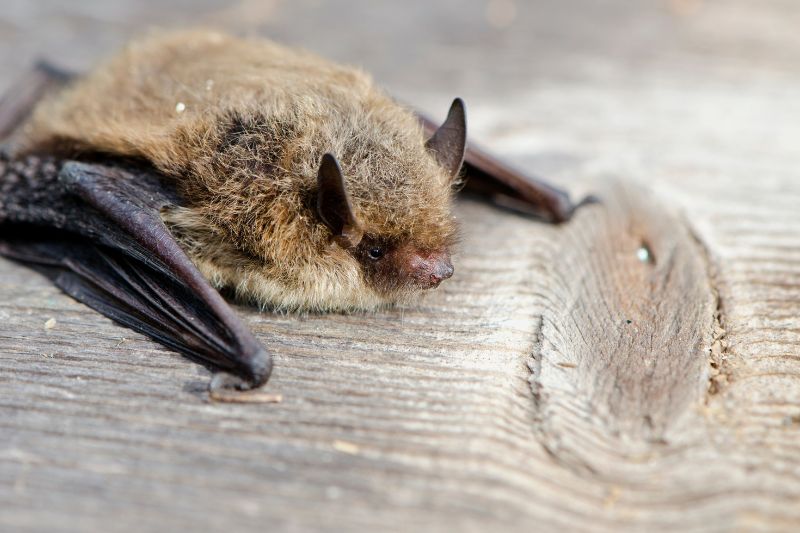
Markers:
<point>195,161</point>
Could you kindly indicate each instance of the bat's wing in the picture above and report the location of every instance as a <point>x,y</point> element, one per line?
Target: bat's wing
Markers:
<point>510,188</point>
<point>96,231</point>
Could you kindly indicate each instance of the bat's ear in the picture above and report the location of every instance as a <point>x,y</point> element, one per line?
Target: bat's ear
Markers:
<point>333,204</point>
<point>448,142</point>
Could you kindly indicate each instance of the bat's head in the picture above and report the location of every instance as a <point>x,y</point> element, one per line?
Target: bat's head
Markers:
<point>397,227</point>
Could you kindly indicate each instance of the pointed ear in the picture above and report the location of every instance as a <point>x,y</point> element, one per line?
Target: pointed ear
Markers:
<point>448,142</point>
<point>333,204</point>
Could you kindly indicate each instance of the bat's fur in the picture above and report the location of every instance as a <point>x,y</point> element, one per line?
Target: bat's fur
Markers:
<point>241,126</point>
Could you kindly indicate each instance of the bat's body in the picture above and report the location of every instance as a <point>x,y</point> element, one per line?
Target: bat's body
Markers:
<point>292,180</point>
<point>241,128</point>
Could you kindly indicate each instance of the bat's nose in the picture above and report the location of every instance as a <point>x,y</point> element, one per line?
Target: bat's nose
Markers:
<point>431,269</point>
<point>442,270</point>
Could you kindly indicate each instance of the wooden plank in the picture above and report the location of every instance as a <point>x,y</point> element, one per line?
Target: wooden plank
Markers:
<point>466,412</point>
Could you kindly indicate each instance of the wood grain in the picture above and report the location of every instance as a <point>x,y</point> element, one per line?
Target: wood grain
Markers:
<point>516,397</point>
<point>624,341</point>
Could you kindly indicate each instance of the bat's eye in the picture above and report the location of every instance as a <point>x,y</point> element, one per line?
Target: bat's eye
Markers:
<point>375,253</point>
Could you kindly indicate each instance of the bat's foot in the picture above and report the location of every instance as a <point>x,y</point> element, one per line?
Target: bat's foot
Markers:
<point>228,388</point>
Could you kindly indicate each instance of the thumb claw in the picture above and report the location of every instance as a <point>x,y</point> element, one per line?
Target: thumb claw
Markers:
<point>227,388</point>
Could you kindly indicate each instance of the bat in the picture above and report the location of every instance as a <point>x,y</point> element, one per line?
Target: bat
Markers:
<point>194,161</point>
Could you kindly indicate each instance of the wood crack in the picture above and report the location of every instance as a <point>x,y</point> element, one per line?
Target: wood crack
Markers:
<point>720,373</point>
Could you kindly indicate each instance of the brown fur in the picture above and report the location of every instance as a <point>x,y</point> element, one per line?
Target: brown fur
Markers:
<point>241,127</point>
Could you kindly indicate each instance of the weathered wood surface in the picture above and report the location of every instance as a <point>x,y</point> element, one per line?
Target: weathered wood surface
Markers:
<point>518,396</point>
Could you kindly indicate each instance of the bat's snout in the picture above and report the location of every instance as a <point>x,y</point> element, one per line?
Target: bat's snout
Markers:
<point>431,269</point>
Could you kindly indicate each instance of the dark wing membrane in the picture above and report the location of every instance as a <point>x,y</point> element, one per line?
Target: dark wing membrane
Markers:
<point>507,187</point>
<point>97,233</point>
